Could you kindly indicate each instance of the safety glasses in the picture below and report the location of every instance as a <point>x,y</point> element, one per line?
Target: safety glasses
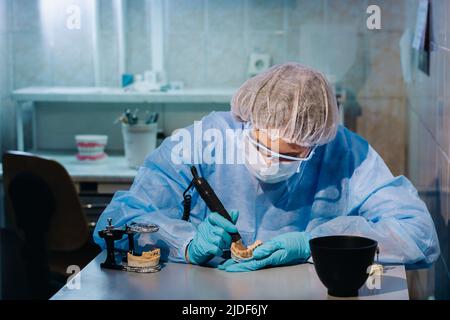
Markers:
<point>270,154</point>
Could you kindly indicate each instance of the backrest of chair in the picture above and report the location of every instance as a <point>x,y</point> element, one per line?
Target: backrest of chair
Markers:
<point>41,196</point>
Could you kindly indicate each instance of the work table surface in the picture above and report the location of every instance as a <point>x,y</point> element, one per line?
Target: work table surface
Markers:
<point>181,281</point>
<point>113,169</point>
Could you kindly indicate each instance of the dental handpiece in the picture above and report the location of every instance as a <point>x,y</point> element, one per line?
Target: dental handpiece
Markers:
<point>211,200</point>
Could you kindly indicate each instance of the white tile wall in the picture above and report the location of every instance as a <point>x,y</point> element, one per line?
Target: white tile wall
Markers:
<point>225,15</point>
<point>138,37</point>
<point>328,35</point>
<point>26,15</point>
<point>5,17</point>
<point>429,139</point>
<point>185,16</point>
<point>108,45</point>
<point>6,110</point>
<point>265,15</point>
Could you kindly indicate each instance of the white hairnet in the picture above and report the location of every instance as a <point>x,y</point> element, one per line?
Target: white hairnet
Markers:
<point>293,99</point>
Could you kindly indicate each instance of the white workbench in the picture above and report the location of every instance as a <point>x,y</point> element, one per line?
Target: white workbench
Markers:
<point>111,174</point>
<point>182,281</point>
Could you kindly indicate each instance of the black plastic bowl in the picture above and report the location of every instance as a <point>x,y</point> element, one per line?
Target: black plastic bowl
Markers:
<point>342,262</point>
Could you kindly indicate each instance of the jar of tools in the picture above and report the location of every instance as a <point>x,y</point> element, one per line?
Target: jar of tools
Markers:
<point>139,136</point>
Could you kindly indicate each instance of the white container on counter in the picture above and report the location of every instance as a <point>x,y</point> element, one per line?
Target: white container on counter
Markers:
<point>139,140</point>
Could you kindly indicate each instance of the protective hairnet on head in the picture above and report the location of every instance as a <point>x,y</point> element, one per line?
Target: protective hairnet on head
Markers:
<point>293,99</point>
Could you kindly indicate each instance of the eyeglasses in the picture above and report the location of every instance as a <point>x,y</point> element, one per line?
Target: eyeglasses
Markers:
<point>270,154</point>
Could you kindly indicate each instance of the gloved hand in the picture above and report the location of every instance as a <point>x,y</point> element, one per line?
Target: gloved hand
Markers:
<point>213,235</point>
<point>288,248</point>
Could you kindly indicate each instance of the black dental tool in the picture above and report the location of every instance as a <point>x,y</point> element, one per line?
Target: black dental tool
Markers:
<point>212,201</point>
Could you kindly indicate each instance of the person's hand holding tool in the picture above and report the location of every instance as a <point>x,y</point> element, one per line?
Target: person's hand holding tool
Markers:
<point>285,249</point>
<point>213,236</point>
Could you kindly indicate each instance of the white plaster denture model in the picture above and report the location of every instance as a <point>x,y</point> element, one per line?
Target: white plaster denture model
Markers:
<point>240,253</point>
<point>147,259</point>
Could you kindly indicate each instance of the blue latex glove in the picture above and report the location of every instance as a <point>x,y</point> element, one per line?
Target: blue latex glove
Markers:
<point>285,249</point>
<point>213,235</point>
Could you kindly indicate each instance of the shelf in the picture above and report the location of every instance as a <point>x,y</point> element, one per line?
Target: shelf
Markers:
<point>119,95</point>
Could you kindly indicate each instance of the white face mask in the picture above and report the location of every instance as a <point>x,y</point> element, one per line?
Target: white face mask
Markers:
<point>270,172</point>
<point>275,172</point>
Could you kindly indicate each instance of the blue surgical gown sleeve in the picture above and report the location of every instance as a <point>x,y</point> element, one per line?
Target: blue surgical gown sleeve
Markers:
<point>155,197</point>
<point>387,209</point>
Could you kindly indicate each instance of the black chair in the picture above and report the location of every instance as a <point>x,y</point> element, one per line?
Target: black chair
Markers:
<point>43,206</point>
<point>14,282</point>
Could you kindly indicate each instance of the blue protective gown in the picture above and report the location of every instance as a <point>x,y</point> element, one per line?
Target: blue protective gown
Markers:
<point>345,189</point>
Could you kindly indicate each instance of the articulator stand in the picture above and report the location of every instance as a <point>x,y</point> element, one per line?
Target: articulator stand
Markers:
<point>112,234</point>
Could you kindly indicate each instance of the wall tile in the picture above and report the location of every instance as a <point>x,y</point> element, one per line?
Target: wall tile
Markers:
<point>225,15</point>
<point>439,17</point>
<point>108,46</point>
<point>271,43</point>
<point>7,136</point>
<point>5,80</point>
<point>446,9</point>
<point>50,17</point>
<point>413,147</point>
<point>421,84</point>
<point>411,14</point>
<point>107,15</point>
<point>185,58</point>
<point>138,38</point>
<point>383,124</point>
<point>92,118</point>
<point>393,14</point>
<point>346,12</point>
<point>139,56</point>
<point>345,56</point>
<point>304,12</point>
<point>384,74</point>
<point>312,44</point>
<point>427,112</point>
<point>69,51</point>
<point>185,16</point>
<point>31,62</point>
<point>441,218</point>
<point>181,115</point>
<point>443,107</point>
<point>72,58</point>
<point>226,60</point>
<point>265,15</point>
<point>108,51</point>
<point>423,157</point>
<point>427,158</point>
<point>346,60</point>
<point>431,104</point>
<point>5,65</point>
<point>292,45</point>
<point>85,118</point>
<point>27,14</point>
<point>5,16</point>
